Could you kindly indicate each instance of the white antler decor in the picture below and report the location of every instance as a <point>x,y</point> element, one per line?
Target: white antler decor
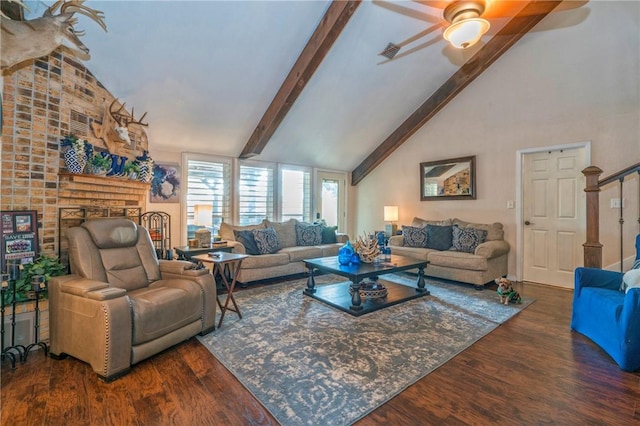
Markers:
<point>115,125</point>
<point>24,40</point>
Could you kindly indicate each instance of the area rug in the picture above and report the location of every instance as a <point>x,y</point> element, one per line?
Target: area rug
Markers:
<point>311,364</point>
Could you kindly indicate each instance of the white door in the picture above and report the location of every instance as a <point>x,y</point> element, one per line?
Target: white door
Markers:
<point>330,199</point>
<point>553,214</point>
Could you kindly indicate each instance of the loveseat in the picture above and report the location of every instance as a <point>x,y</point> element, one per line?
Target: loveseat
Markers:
<point>277,249</point>
<point>472,253</point>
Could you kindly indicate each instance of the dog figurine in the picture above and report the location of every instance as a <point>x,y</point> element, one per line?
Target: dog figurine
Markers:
<point>506,293</point>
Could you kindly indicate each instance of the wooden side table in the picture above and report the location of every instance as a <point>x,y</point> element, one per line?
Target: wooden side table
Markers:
<point>225,262</point>
<point>186,252</point>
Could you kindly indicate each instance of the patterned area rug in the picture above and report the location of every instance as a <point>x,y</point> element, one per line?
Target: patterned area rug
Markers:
<point>311,364</point>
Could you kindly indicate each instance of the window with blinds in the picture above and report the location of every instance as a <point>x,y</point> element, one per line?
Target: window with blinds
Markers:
<point>209,183</point>
<point>255,193</point>
<point>295,189</point>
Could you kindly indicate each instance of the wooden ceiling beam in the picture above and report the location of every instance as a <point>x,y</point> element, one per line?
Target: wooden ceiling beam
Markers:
<point>524,21</point>
<point>333,22</point>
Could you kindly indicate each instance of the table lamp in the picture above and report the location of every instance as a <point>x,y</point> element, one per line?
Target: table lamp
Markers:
<point>202,216</point>
<point>390,215</point>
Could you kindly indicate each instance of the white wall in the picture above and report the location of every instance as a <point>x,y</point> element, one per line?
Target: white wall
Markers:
<point>579,83</point>
<point>173,209</point>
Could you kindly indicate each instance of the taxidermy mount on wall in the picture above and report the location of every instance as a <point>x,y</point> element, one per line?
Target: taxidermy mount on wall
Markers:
<point>25,40</point>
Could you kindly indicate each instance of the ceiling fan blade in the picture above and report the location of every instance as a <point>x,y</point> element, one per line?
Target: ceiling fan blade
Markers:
<point>407,11</point>
<point>421,34</point>
<point>507,9</point>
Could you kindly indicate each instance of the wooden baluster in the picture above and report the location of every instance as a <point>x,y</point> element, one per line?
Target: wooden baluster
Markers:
<point>592,247</point>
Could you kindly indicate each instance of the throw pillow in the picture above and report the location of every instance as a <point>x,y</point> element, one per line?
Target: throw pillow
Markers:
<point>413,236</point>
<point>439,237</point>
<point>247,240</point>
<point>329,234</point>
<point>286,232</point>
<point>308,234</point>
<point>467,239</point>
<point>226,230</point>
<point>631,279</point>
<point>266,240</point>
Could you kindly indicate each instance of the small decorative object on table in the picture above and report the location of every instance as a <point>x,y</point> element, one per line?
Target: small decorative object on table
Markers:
<point>370,290</point>
<point>367,248</point>
<point>345,253</point>
<point>506,293</point>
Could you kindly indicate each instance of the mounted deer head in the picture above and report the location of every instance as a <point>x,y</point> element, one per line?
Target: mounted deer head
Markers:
<point>115,125</point>
<point>24,40</point>
<point>124,120</point>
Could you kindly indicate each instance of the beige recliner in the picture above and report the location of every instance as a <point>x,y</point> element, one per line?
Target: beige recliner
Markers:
<point>120,304</point>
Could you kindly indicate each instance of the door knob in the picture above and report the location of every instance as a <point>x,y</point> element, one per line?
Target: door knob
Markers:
<point>526,222</point>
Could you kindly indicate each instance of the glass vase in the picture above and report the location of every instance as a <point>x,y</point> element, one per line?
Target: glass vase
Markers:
<point>345,253</point>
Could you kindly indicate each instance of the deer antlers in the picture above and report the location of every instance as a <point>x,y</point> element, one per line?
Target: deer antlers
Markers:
<point>76,6</point>
<point>124,119</point>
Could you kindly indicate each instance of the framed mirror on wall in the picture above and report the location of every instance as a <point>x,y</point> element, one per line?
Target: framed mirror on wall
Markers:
<point>452,179</point>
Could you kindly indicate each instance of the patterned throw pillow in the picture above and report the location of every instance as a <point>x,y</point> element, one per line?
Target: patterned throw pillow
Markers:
<point>308,234</point>
<point>246,238</point>
<point>467,239</point>
<point>413,236</point>
<point>329,234</point>
<point>439,237</point>
<point>266,240</point>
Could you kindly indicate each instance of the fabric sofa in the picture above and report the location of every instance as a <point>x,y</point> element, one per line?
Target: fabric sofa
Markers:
<point>478,256</point>
<point>295,241</point>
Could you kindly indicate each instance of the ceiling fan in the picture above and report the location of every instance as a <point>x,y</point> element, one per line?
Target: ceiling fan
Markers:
<point>466,26</point>
<point>464,21</point>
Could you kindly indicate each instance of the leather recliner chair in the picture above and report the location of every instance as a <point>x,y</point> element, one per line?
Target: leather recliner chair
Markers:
<point>120,304</point>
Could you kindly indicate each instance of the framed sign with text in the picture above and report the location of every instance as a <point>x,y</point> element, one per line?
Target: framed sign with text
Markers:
<point>19,236</point>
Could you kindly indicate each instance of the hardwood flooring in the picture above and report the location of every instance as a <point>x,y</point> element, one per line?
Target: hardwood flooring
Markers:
<point>530,370</point>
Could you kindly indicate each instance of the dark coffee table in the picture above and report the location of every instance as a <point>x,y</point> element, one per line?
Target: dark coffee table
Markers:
<point>346,295</point>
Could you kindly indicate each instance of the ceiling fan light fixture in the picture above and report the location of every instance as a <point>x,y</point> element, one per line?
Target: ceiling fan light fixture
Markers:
<point>465,33</point>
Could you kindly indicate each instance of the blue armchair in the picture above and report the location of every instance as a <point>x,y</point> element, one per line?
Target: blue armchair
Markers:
<point>608,316</point>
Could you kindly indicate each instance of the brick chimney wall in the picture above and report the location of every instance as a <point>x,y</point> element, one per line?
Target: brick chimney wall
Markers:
<point>43,101</point>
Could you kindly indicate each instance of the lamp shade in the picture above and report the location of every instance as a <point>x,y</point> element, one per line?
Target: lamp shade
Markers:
<point>202,215</point>
<point>466,32</point>
<point>390,213</point>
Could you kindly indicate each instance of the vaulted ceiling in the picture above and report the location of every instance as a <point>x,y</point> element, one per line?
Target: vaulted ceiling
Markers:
<point>300,82</point>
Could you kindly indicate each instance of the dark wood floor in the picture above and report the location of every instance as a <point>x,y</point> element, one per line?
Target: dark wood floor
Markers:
<point>531,370</point>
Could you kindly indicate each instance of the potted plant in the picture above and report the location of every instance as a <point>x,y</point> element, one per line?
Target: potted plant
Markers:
<point>46,265</point>
<point>100,164</point>
<point>76,153</point>
<point>131,169</point>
